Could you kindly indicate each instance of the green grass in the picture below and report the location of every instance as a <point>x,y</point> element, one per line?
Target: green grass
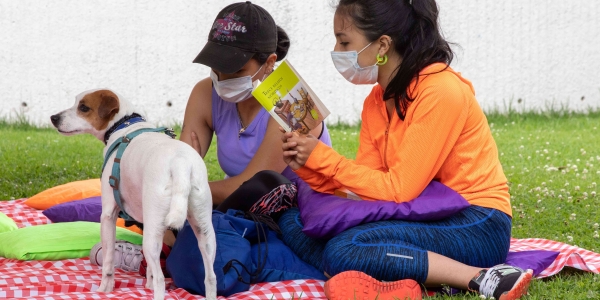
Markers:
<point>33,159</point>
<point>552,161</point>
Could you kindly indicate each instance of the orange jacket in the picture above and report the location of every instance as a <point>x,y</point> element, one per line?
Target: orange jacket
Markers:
<point>444,137</point>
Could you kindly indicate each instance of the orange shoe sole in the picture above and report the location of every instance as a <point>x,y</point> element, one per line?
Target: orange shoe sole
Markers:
<point>520,288</point>
<point>355,285</point>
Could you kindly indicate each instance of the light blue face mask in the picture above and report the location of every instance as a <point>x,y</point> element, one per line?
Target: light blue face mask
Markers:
<point>233,90</point>
<point>346,62</point>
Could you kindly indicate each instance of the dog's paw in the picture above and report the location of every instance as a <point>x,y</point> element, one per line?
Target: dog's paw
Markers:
<point>159,294</point>
<point>106,286</point>
<point>214,297</point>
<point>149,284</point>
<point>149,280</point>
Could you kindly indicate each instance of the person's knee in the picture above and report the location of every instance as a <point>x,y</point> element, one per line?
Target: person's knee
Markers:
<point>308,249</point>
<point>270,176</point>
<point>376,251</point>
<point>290,222</point>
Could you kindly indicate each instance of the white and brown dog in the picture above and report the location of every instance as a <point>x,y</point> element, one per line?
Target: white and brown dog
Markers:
<point>163,182</point>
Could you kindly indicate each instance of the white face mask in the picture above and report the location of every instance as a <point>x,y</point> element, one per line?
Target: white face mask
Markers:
<point>235,89</point>
<point>346,62</point>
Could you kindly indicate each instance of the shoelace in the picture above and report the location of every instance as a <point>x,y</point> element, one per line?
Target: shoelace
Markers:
<point>130,257</point>
<point>490,283</point>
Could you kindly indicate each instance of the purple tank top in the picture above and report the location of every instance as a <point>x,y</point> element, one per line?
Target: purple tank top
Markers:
<point>234,153</point>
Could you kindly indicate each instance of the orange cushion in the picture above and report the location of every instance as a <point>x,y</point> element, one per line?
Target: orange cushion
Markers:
<point>64,193</point>
<point>134,228</point>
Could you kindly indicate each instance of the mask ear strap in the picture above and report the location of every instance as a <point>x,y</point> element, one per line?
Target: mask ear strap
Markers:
<point>363,49</point>
<point>258,70</point>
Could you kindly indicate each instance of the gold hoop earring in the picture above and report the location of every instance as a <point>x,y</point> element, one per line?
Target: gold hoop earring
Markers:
<point>381,61</point>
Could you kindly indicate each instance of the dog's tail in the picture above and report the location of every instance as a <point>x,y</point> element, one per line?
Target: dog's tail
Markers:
<point>180,192</point>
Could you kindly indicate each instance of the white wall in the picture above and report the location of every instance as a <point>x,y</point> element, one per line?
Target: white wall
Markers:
<point>540,51</point>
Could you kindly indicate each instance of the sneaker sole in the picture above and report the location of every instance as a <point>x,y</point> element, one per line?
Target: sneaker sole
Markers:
<point>355,285</point>
<point>94,253</point>
<point>520,288</point>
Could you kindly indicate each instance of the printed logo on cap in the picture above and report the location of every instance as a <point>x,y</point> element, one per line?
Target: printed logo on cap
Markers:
<point>226,28</point>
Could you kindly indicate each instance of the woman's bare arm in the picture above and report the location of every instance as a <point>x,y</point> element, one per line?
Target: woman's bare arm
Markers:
<point>198,117</point>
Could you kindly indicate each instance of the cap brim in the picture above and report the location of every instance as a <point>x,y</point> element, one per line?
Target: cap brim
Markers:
<point>223,58</point>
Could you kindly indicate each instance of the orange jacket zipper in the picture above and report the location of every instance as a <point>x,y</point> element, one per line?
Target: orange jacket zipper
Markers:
<point>387,131</point>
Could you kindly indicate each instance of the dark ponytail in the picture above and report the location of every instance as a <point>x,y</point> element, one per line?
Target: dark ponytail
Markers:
<point>414,31</point>
<point>283,45</point>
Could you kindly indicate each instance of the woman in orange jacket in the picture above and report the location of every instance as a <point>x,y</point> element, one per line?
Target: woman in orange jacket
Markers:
<point>420,123</point>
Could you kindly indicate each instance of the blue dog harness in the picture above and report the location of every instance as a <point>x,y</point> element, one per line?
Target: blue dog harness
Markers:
<point>120,145</point>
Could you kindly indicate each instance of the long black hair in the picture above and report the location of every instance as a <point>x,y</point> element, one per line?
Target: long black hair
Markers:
<point>415,32</point>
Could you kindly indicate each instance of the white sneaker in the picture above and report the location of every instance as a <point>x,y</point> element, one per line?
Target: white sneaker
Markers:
<point>127,256</point>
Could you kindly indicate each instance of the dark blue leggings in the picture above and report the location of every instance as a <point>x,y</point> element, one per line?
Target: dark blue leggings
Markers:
<point>393,250</point>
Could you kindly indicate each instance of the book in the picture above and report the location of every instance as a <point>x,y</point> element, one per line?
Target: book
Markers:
<point>289,99</point>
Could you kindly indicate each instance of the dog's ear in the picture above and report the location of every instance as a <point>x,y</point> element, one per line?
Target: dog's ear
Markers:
<point>109,105</point>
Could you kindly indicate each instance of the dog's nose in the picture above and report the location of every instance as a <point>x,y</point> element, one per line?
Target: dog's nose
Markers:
<point>55,119</point>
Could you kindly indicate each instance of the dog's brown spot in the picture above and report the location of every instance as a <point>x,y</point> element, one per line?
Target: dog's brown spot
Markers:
<point>98,108</point>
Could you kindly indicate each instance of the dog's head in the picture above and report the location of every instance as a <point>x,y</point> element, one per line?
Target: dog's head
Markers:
<point>94,112</point>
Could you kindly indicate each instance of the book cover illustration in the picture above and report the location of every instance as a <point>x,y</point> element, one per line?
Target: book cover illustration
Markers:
<point>289,100</point>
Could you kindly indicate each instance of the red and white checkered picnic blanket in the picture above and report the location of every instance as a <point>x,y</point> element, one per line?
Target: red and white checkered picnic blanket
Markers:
<point>22,214</point>
<point>569,256</point>
<point>79,279</point>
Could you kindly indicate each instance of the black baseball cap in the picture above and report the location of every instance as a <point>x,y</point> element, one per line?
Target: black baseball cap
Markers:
<point>239,31</point>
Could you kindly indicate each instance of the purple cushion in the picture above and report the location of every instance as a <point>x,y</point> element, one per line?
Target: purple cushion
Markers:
<point>88,209</point>
<point>536,260</point>
<point>326,215</point>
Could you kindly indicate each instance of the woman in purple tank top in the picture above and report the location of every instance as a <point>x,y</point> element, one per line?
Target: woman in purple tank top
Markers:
<point>248,140</point>
<point>243,45</point>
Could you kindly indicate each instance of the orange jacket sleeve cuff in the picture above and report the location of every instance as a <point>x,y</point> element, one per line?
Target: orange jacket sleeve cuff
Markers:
<point>318,168</point>
<point>323,160</point>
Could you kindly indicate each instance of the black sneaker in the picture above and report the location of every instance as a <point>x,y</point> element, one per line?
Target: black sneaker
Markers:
<point>503,282</point>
